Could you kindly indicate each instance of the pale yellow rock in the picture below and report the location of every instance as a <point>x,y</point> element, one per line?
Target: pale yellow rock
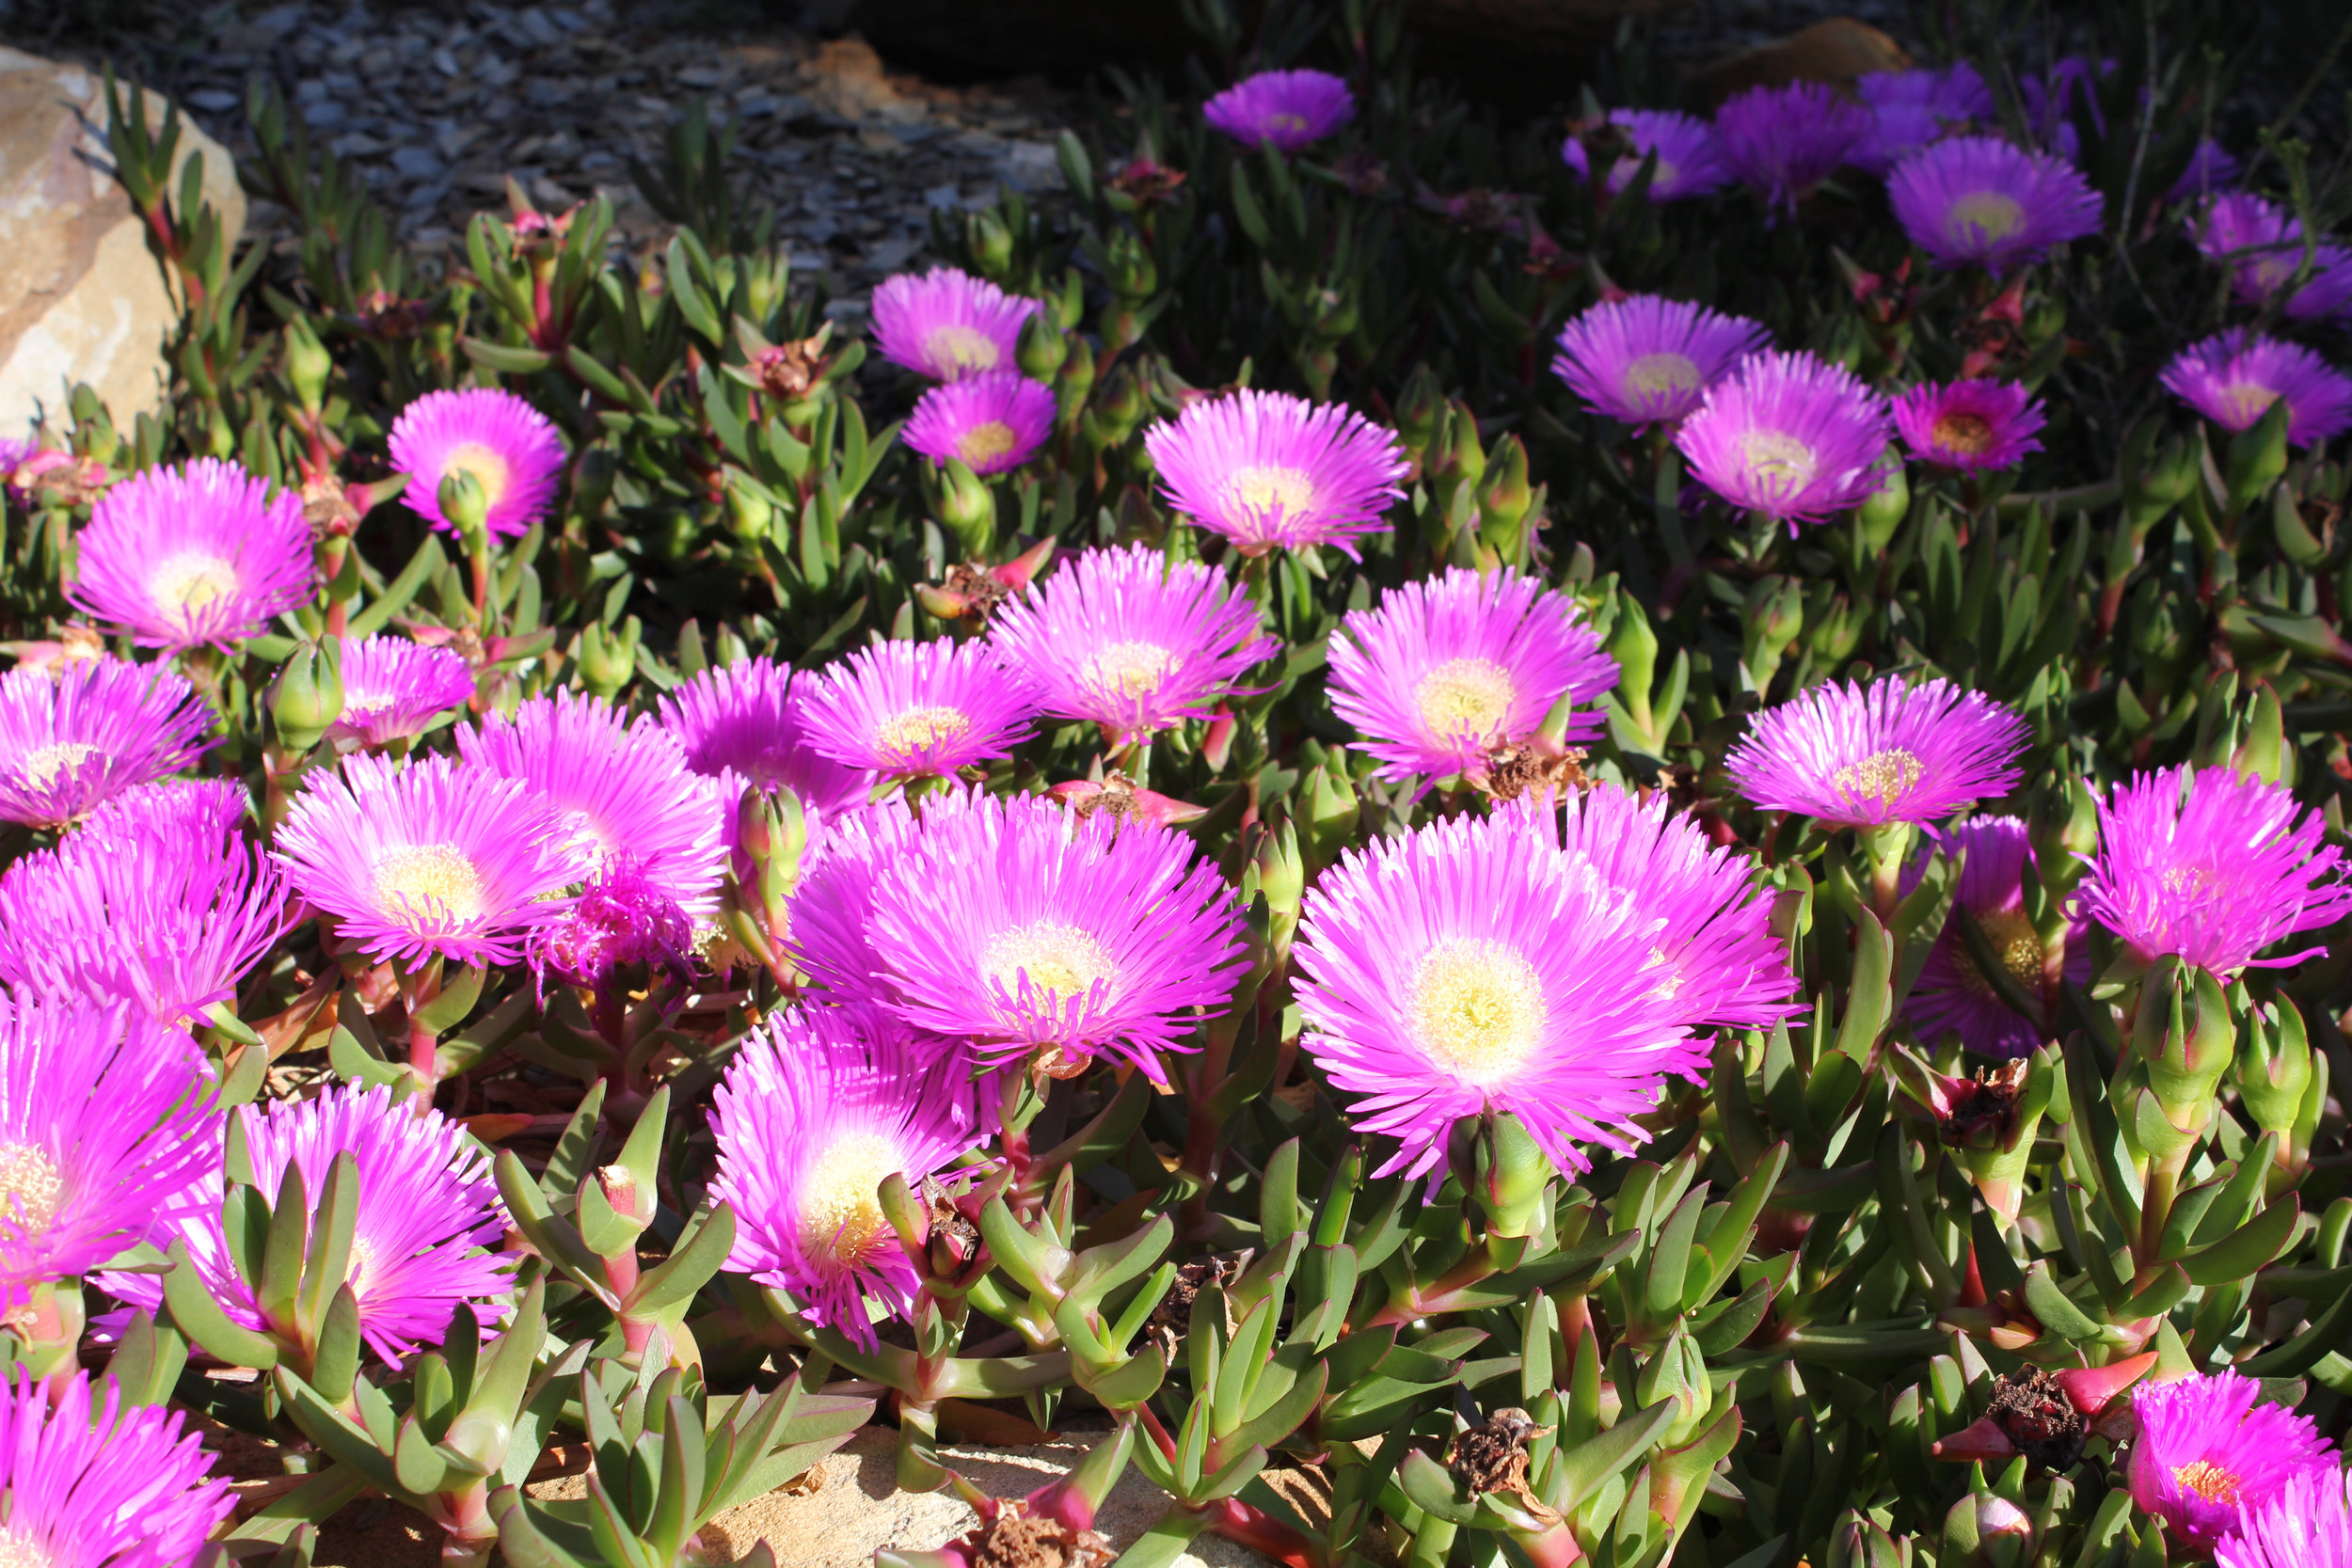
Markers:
<point>82,298</point>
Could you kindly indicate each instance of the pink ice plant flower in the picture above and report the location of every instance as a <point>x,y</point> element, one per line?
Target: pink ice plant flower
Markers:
<point>1951,994</point>
<point>2263,244</point>
<point>2212,867</point>
<point>2307,1523</point>
<point>1790,436</point>
<point>1648,360</point>
<point>1853,756</point>
<point>1455,971</point>
<point>513,451</point>
<point>1131,641</point>
<point>2233,377</point>
<point>1292,109</point>
<point>74,736</point>
<point>904,709</point>
<point>201,555</point>
<point>1981,201</point>
<point>1784,141</point>
<point>1972,426</point>
<point>88,1481</point>
<point>1446,670</point>
<point>1690,163</point>
<point>832,910</point>
<point>395,690</point>
<point>819,1108</point>
<point>1268,470</point>
<point>948,324</point>
<point>992,423</point>
<point>750,720</point>
<point>2210,1445</point>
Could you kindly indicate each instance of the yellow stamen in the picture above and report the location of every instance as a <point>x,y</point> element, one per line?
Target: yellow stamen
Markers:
<point>31,1188</point>
<point>1061,962</point>
<point>1476,1008</point>
<point>1779,460</point>
<point>1879,778</point>
<point>191,580</point>
<point>1264,490</point>
<point>841,1214</point>
<point>964,349</point>
<point>903,735</point>
<point>1655,374</point>
<point>1129,669</point>
<point>2208,1481</point>
<point>1464,697</point>
<point>44,765</point>
<point>1983,216</point>
<point>1968,434</point>
<point>985,443</point>
<point>2246,402</point>
<point>2012,937</point>
<point>429,881</point>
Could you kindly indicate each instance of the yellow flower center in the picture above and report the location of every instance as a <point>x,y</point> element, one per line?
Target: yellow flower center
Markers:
<point>1266,489</point>
<point>1983,216</point>
<point>962,349</point>
<point>1476,1008</point>
<point>1129,669</point>
<point>2018,945</point>
<point>428,881</point>
<point>487,465</point>
<point>1881,778</point>
<point>1464,697</point>
<point>903,735</point>
<point>44,765</point>
<point>2208,1481</point>
<point>1967,434</point>
<point>1655,374</point>
<point>985,443</point>
<point>31,1187</point>
<point>2190,881</point>
<point>360,1272</point>
<point>841,1214</point>
<point>1286,122</point>
<point>2246,402</point>
<point>191,580</point>
<point>1061,962</point>
<point>19,1550</point>
<point>1779,460</point>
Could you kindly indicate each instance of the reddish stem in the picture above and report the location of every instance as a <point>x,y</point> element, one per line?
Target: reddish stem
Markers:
<point>1263,1534</point>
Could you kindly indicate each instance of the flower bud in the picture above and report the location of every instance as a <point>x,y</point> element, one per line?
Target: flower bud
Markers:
<point>2162,480</point>
<point>1884,513</point>
<point>466,508</point>
<point>1118,407</point>
<point>1510,1177</point>
<point>1678,1372</point>
<point>308,365</point>
<point>750,515</point>
<point>1466,460</point>
<point>2258,455</point>
<point>308,696</point>
<point>1833,623</point>
<point>1632,642</point>
<point>1074,382</point>
<point>1128,267</point>
<point>966,509</point>
<point>1217,745</point>
<point>619,1185</point>
<point>1042,348</point>
<point>2185,1035</point>
<point>1419,410</point>
<point>1505,496</point>
<point>1332,810</point>
<point>991,245</point>
<point>607,657</point>
<point>2274,1067</point>
<point>2062,834</point>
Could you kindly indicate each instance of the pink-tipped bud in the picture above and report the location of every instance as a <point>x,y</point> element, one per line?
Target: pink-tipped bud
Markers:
<point>2092,1388</point>
<point>943,602</point>
<point>619,1186</point>
<point>1981,1438</point>
<point>1023,569</point>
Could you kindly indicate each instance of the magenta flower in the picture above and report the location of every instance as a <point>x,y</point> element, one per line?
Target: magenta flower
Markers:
<point>194,556</point>
<point>393,690</point>
<point>2263,245</point>
<point>622,921</point>
<point>1024,931</point>
<point>906,709</point>
<point>1969,426</point>
<point>1909,109</point>
<point>2209,1446</point>
<point>427,1216</point>
<point>1689,164</point>
<point>429,857</point>
<point>2213,867</point>
<point>102,1113</point>
<point>1707,924</point>
<point>1131,641</point>
<point>1648,360</point>
<point>1266,470</point>
<point>1951,995</point>
<point>2233,377</point>
<point>513,450</point>
<point>1858,757</point>
<point>157,905</point>
<point>820,1107</point>
<point>1788,435</point>
<point>2307,1523</point>
<point>1454,971</point>
<point>1446,671</point>
<point>620,787</point>
<point>948,324</point>
<point>177,807</point>
<point>1784,141</point>
<point>831,916</point>
<point>992,423</point>
<point>86,1482</point>
<point>73,737</point>
<point>750,718</point>
<point>1977,200</point>
<point>1289,108</point>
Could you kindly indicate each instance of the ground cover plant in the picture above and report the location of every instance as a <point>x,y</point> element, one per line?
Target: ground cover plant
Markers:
<point>1636,840</point>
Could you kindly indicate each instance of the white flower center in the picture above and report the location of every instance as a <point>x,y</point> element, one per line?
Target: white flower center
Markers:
<point>1464,697</point>
<point>1061,962</point>
<point>1981,217</point>
<point>1653,374</point>
<point>428,881</point>
<point>1881,778</point>
<point>44,765</point>
<point>192,580</point>
<point>31,1188</point>
<point>961,348</point>
<point>1781,461</point>
<point>1261,490</point>
<point>1129,669</point>
<point>985,443</point>
<point>902,735</point>
<point>1476,1008</point>
<point>19,1550</point>
<point>841,1216</point>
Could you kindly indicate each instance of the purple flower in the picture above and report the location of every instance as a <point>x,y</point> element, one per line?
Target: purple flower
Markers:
<point>1910,109</point>
<point>906,709</point>
<point>1784,141</point>
<point>2212,867</point>
<point>992,423</point>
<point>820,1107</point>
<point>1021,930</point>
<point>1788,435</point>
<point>102,1113</point>
<point>750,718</point>
<point>1289,108</point>
<point>1951,994</point>
<point>512,450</point>
<point>429,857</point>
<point>194,556</point>
<point>948,324</point>
<point>393,688</point>
<point>2233,377</point>
<point>2209,1446</point>
<point>1266,470</point>
<point>831,908</point>
<point>1446,671</point>
<point>1648,360</point>
<point>177,807</point>
<point>158,904</point>
<point>2307,1523</point>
<point>1858,757</point>
<point>2263,244</point>
<point>1689,164</point>
<point>73,737</point>
<point>1131,641</point>
<point>1453,972</point>
<point>89,1482</point>
<point>1977,200</point>
<point>1969,426</point>
<point>426,1216</point>
<point>1708,923</point>
<point>2211,170</point>
<point>620,785</point>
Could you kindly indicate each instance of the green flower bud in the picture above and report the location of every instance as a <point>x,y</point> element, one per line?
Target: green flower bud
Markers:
<point>1676,1371</point>
<point>1833,623</point>
<point>1075,380</point>
<point>466,508</point>
<point>1884,513</point>
<point>1042,348</point>
<point>966,509</point>
<point>1466,460</point>
<point>1512,1178</point>
<point>607,659</point>
<point>990,244</point>
<point>2274,1067</point>
<point>1506,496</point>
<point>1118,407</point>
<point>751,516</point>
<point>1332,810</point>
<point>2185,1033</point>
<point>308,696</point>
<point>1419,411</point>
<point>1128,267</point>
<point>2164,480</point>
<point>2258,456</point>
<point>308,365</point>
<point>1633,643</point>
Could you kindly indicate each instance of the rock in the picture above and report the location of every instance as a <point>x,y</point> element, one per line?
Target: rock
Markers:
<point>82,298</point>
<point>1837,50</point>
